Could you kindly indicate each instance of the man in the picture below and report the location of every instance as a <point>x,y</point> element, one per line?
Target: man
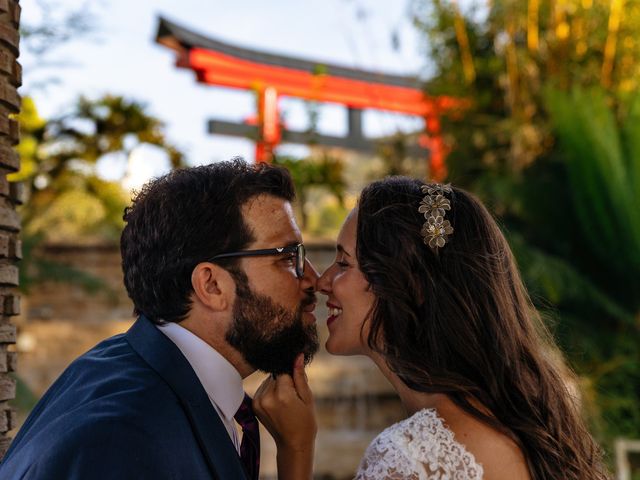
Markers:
<point>214,264</point>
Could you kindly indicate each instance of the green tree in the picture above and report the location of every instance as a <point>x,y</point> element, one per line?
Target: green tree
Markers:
<point>323,172</point>
<point>66,199</point>
<point>503,56</point>
<point>601,153</point>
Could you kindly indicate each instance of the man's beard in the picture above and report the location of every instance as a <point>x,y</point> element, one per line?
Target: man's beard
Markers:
<point>269,336</point>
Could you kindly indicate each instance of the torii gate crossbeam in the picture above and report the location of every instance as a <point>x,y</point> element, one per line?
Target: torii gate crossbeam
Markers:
<point>218,63</point>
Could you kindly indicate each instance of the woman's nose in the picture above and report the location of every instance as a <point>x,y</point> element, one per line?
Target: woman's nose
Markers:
<point>324,282</point>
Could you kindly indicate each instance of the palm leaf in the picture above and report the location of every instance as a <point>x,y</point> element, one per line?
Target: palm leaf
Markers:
<point>559,281</point>
<point>631,138</point>
<point>601,182</point>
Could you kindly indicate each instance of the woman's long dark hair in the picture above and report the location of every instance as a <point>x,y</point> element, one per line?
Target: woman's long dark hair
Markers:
<point>459,321</point>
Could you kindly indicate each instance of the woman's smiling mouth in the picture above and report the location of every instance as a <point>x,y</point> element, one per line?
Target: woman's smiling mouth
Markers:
<point>334,312</point>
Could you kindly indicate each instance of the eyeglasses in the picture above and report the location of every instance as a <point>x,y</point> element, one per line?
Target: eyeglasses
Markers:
<point>298,250</point>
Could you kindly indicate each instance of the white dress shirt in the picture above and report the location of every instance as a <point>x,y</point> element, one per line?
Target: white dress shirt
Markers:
<point>220,379</point>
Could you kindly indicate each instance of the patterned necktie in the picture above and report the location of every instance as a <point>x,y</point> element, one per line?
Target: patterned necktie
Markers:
<point>250,446</point>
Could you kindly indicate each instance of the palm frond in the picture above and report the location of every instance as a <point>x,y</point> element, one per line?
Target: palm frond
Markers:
<point>602,183</point>
<point>558,281</point>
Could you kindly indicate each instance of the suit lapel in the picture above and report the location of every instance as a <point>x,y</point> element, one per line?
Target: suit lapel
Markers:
<point>167,360</point>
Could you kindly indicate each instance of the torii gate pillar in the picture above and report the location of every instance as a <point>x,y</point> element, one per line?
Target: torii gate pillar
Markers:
<point>269,133</point>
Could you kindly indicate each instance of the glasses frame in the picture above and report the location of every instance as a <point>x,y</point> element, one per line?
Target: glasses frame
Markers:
<point>298,249</point>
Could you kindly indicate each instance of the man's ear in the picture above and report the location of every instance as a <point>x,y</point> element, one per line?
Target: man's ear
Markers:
<point>213,286</point>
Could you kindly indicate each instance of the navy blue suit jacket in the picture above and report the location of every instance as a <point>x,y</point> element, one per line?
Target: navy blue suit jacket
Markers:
<point>130,408</point>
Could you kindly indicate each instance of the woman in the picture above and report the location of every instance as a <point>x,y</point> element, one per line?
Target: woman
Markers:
<point>424,283</point>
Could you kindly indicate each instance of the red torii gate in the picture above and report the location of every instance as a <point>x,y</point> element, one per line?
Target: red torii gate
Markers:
<point>218,63</point>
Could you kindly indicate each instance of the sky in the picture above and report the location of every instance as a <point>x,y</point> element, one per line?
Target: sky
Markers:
<point>122,58</point>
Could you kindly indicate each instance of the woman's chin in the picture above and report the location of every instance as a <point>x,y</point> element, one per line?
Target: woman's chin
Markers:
<point>334,348</point>
<point>331,348</point>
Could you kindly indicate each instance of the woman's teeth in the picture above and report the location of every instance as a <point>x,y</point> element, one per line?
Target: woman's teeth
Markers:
<point>334,312</point>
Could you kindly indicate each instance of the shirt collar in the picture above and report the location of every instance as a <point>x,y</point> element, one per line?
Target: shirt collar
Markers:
<point>220,379</point>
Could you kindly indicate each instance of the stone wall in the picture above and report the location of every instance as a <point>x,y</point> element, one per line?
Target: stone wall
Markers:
<point>62,320</point>
<point>96,297</point>
<point>10,195</point>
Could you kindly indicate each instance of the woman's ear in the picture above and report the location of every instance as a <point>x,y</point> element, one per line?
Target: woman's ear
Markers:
<point>213,286</point>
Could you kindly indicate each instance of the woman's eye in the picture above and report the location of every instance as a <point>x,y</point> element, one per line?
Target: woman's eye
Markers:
<point>342,264</point>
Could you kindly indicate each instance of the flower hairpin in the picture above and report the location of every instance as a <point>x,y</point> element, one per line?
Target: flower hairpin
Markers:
<point>433,206</point>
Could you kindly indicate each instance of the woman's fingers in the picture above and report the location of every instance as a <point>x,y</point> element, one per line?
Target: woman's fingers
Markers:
<point>300,381</point>
<point>264,391</point>
<point>285,407</point>
<point>284,386</point>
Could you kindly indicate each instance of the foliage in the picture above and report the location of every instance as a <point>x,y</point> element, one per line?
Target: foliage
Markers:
<point>396,158</point>
<point>323,172</point>
<point>552,144</point>
<point>514,50</point>
<point>67,200</point>
<point>603,166</point>
<point>327,215</point>
<point>602,158</point>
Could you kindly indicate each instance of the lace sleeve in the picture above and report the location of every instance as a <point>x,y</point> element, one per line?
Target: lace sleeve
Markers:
<point>418,448</point>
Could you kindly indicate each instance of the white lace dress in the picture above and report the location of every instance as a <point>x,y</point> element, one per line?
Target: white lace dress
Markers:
<point>418,448</point>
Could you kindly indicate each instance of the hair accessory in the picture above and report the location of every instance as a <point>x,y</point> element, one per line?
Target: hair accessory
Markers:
<point>434,205</point>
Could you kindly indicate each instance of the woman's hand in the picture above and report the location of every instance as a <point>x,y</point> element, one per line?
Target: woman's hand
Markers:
<point>285,407</point>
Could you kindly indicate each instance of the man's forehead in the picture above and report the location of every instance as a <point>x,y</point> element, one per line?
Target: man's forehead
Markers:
<point>271,219</point>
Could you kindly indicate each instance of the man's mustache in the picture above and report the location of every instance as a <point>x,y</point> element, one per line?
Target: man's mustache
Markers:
<point>308,300</point>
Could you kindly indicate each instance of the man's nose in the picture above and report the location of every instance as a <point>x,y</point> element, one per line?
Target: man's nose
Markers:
<point>323,284</point>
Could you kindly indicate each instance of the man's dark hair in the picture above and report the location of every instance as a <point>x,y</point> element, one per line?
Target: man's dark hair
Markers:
<point>184,218</point>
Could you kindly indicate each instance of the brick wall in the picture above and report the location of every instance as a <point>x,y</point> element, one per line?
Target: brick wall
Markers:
<point>10,196</point>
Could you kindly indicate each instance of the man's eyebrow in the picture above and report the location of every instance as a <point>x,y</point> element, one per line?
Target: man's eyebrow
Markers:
<point>341,249</point>
<point>289,244</point>
<point>277,240</point>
